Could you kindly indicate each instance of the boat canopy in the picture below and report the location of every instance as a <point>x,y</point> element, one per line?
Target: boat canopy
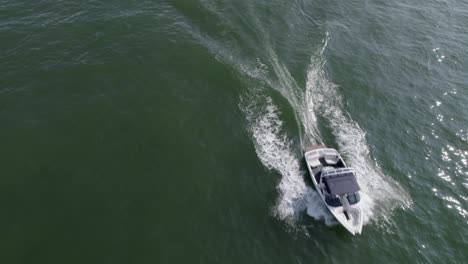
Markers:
<point>340,181</point>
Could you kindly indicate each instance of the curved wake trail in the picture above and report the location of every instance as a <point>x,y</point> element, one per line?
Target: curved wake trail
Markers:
<point>273,146</point>
<point>274,150</point>
<point>321,98</point>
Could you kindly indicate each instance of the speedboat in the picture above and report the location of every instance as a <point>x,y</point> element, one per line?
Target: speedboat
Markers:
<point>336,184</point>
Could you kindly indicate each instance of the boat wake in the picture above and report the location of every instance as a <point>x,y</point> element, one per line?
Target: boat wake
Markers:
<point>380,195</point>
<point>275,148</point>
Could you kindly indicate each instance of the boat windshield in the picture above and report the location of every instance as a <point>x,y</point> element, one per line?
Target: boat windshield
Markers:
<point>354,198</point>
<point>333,200</point>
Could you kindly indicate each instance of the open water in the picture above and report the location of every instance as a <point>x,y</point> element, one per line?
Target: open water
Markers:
<point>172,131</point>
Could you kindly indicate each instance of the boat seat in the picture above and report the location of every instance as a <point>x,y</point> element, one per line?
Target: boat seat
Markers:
<point>314,163</point>
<point>331,159</point>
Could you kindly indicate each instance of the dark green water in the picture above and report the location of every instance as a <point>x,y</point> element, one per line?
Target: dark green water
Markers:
<point>172,131</point>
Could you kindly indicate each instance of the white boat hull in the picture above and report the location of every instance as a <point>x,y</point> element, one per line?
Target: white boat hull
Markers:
<point>352,223</point>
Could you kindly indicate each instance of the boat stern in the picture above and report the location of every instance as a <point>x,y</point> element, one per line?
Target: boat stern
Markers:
<point>314,147</point>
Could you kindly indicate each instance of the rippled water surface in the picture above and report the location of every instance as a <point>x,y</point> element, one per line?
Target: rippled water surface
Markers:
<point>172,131</point>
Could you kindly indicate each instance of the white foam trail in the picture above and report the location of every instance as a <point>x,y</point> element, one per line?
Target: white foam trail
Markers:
<point>289,89</point>
<point>323,98</point>
<point>274,150</point>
